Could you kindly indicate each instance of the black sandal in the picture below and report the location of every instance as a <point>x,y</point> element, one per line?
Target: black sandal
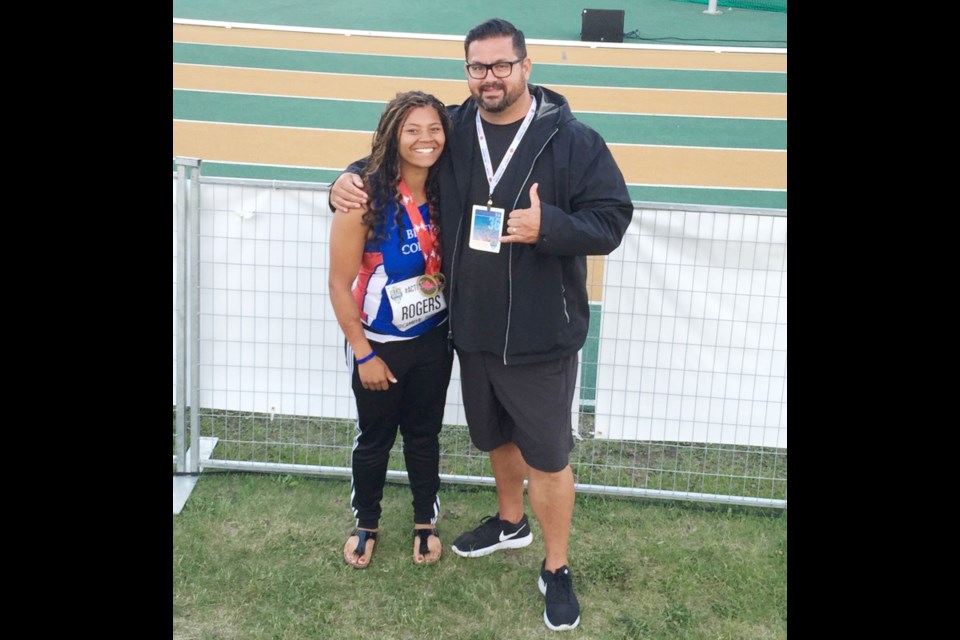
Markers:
<point>363,535</point>
<point>424,535</point>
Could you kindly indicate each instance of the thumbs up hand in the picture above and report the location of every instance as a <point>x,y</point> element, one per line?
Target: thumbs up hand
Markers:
<point>523,225</point>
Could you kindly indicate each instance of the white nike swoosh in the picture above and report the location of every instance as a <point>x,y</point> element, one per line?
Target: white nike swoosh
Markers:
<point>507,537</point>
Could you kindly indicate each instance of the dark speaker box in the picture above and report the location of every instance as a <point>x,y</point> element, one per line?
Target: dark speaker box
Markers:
<point>602,25</point>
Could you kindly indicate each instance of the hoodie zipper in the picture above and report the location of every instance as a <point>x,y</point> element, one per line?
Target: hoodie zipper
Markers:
<point>453,263</point>
<point>506,337</point>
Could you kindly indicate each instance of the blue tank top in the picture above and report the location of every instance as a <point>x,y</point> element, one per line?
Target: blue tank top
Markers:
<point>395,258</point>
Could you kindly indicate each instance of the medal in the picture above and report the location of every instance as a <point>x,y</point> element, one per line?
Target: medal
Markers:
<point>431,285</point>
<point>432,281</point>
<point>428,285</point>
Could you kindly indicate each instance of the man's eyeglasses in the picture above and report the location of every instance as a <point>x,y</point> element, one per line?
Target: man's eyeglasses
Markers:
<point>478,71</point>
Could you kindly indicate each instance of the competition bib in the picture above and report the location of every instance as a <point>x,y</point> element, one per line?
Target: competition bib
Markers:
<point>416,299</point>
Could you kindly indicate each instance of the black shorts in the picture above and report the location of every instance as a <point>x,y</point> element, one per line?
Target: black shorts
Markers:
<point>527,404</point>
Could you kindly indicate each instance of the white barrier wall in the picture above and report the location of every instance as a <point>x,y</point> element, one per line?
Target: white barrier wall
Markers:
<point>693,337</point>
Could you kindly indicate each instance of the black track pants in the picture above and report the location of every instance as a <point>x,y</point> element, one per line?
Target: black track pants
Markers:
<point>415,406</point>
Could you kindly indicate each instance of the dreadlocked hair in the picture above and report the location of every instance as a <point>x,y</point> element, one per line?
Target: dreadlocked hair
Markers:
<point>381,176</point>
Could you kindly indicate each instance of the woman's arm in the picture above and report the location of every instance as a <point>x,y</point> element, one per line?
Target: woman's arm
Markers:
<point>348,234</point>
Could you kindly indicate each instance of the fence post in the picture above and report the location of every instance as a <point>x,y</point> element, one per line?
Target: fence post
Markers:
<point>187,168</point>
<point>194,357</point>
<point>712,8</point>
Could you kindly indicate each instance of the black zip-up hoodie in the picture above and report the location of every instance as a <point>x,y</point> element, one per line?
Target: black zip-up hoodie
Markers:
<point>585,210</point>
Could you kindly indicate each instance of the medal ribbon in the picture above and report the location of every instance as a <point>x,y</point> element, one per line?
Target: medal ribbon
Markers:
<point>494,178</point>
<point>426,238</point>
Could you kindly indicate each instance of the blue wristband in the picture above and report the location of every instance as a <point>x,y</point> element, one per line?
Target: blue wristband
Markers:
<point>372,355</point>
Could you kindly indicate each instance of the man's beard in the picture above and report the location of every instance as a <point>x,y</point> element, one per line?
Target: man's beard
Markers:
<point>505,102</point>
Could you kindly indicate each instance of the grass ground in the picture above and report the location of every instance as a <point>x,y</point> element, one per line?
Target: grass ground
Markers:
<point>259,556</point>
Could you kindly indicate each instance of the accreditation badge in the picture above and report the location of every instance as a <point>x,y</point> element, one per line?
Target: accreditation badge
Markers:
<point>485,226</point>
<point>416,299</point>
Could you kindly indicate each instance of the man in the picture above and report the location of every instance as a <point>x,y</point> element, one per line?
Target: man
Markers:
<point>521,163</point>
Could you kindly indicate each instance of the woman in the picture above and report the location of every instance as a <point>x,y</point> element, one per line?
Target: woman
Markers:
<point>386,290</point>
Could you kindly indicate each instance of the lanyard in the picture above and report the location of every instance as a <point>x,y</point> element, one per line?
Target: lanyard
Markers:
<point>426,238</point>
<point>494,178</point>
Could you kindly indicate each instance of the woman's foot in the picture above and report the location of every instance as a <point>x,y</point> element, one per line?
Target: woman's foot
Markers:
<point>426,544</point>
<point>358,550</point>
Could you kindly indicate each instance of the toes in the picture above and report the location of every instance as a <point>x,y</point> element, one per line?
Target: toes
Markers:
<point>349,555</point>
<point>435,549</point>
<point>436,553</point>
<point>365,558</point>
<point>417,556</point>
<point>350,552</point>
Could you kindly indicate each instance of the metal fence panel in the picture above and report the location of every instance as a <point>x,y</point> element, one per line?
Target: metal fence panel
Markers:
<point>693,338</point>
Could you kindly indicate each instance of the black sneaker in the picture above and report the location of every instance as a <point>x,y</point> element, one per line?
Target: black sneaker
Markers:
<point>562,610</point>
<point>492,535</point>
